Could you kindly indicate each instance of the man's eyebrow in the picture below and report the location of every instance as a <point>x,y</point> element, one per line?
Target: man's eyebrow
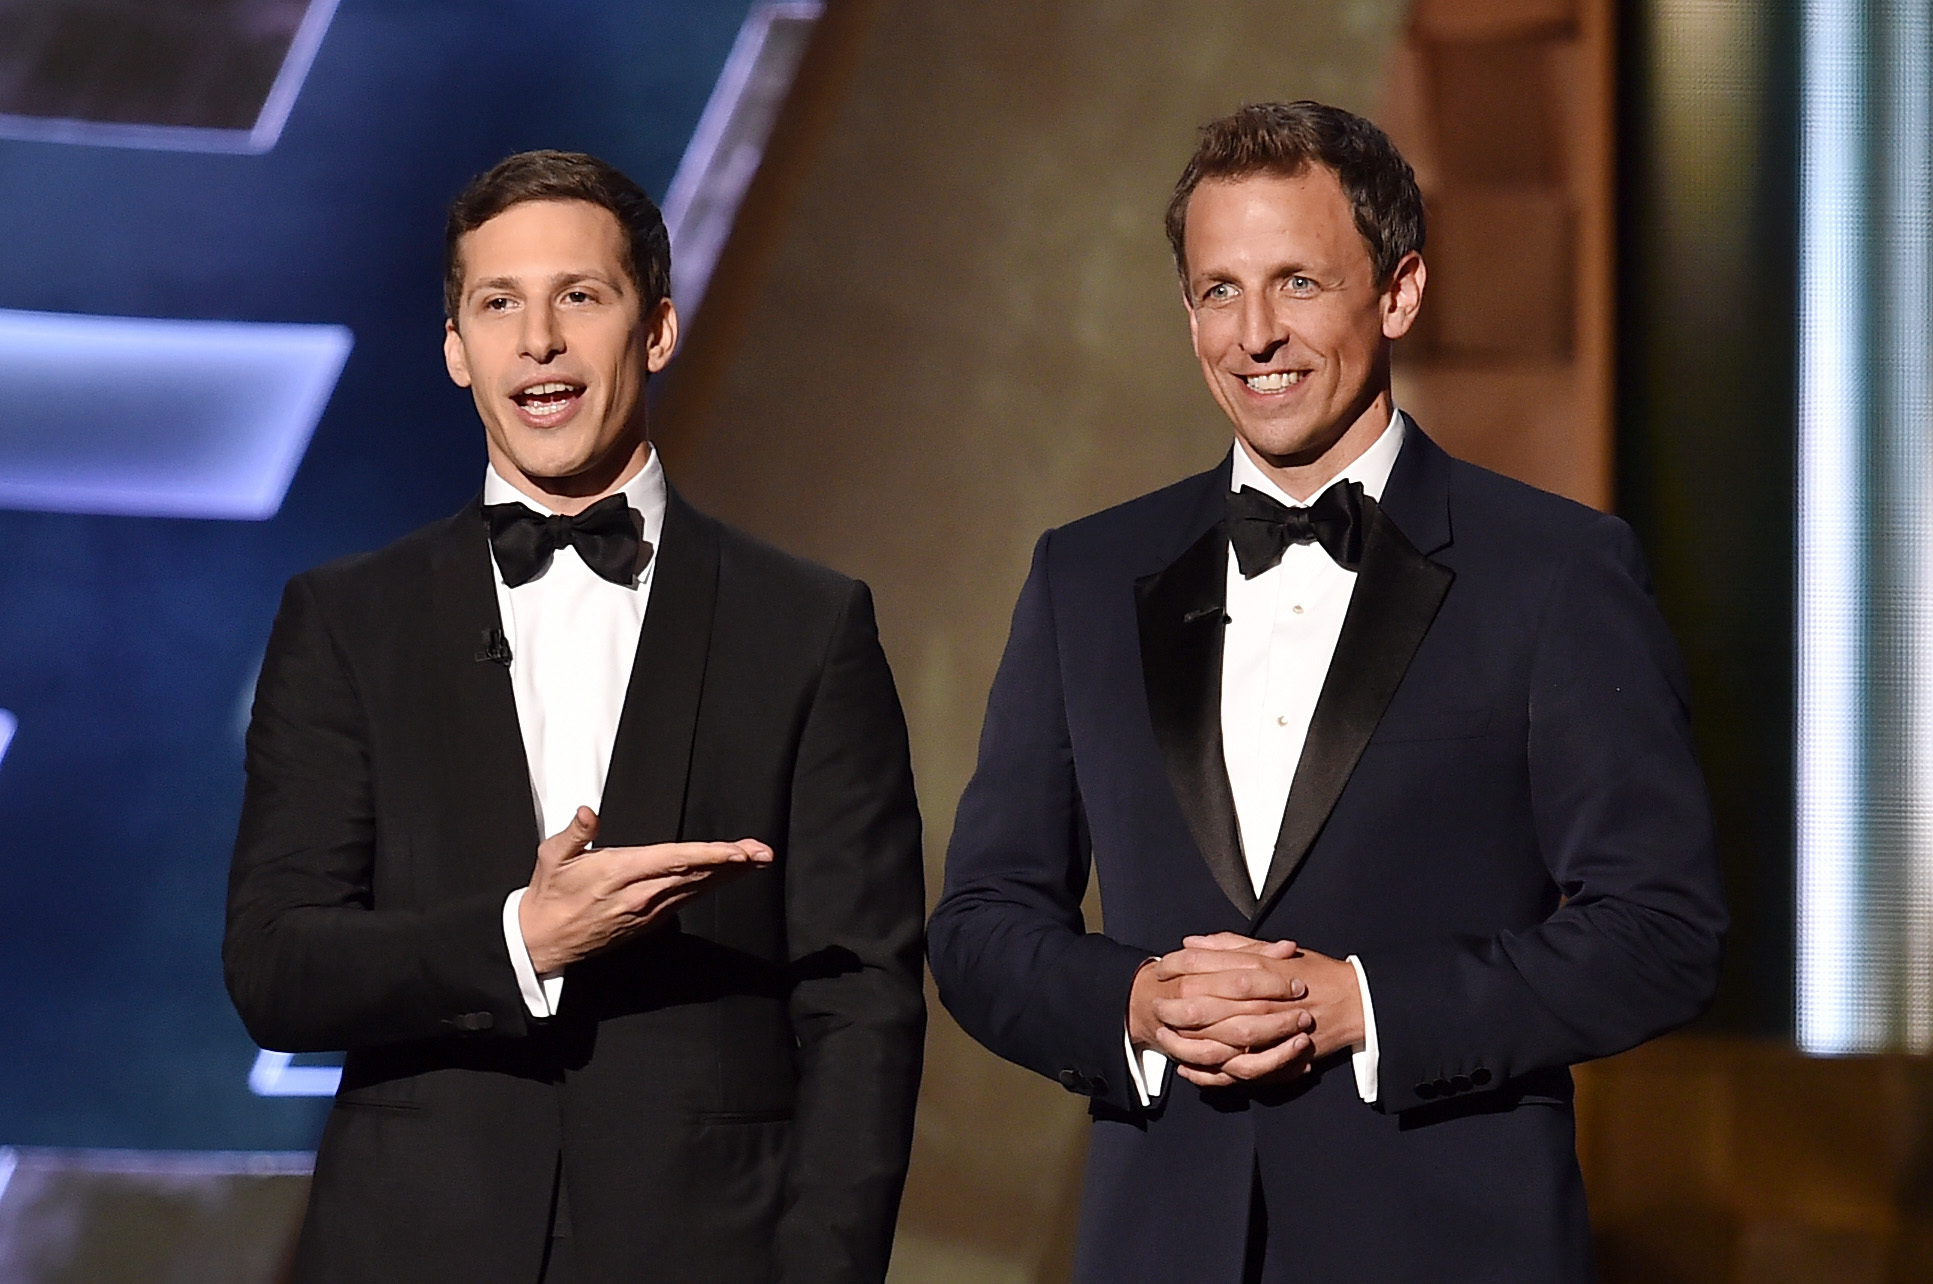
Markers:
<point>556,282</point>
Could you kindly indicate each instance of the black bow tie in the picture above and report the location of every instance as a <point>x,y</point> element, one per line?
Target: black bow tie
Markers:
<point>607,535</point>
<point>1261,527</point>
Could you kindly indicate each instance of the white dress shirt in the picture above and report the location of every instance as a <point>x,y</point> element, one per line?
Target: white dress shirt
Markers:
<point>573,638</point>
<point>1276,650</point>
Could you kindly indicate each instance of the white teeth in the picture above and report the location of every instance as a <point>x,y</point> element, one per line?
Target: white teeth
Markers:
<point>1275,382</point>
<point>540,389</point>
<point>546,407</point>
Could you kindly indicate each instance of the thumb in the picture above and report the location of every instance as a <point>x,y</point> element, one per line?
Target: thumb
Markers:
<point>573,838</point>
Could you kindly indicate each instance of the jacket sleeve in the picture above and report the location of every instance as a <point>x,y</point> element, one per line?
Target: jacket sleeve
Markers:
<point>855,896</point>
<point>1622,820</point>
<point>310,963</point>
<point>1011,954</point>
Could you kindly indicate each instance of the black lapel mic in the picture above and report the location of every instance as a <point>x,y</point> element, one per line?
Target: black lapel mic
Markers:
<point>495,648</point>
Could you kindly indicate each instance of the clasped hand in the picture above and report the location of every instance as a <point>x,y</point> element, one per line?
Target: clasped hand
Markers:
<point>582,899</point>
<point>1229,1009</point>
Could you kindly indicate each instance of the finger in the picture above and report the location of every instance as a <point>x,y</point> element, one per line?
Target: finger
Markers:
<point>755,851</point>
<point>1197,1011</point>
<point>1205,1078</point>
<point>670,860</point>
<point>1197,1052</point>
<point>1242,985</point>
<point>1234,942</point>
<point>1250,1066</point>
<point>1253,1033</point>
<point>1192,960</point>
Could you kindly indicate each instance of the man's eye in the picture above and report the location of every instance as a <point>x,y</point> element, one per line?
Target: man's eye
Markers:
<point>1219,291</point>
<point>497,304</point>
<point>1301,284</point>
<point>577,296</point>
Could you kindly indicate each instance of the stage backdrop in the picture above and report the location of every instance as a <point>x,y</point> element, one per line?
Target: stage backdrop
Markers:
<point>233,188</point>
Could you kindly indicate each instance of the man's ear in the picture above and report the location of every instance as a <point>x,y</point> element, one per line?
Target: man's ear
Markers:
<point>1403,296</point>
<point>661,336</point>
<point>454,358</point>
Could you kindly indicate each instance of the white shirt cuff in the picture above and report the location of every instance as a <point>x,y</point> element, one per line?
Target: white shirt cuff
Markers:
<point>541,993</point>
<point>1366,1060</point>
<point>1147,1071</point>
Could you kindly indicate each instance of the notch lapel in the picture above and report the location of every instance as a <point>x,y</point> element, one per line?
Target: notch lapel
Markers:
<point>644,790</point>
<point>1398,593</point>
<point>1182,612</point>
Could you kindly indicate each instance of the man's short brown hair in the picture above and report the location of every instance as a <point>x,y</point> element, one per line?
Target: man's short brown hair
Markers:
<point>1285,139</point>
<point>561,176</point>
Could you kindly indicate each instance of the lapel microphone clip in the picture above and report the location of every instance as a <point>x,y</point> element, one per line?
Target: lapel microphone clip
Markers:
<point>495,648</point>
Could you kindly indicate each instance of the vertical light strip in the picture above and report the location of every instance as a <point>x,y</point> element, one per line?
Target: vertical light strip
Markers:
<point>1864,756</point>
<point>1905,354</point>
<point>1830,606</point>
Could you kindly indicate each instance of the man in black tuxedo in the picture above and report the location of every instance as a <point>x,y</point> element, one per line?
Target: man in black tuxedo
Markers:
<point>626,1051</point>
<point>1382,762</point>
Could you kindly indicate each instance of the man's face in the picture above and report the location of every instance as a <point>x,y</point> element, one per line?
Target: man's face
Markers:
<point>1290,324</point>
<point>552,341</point>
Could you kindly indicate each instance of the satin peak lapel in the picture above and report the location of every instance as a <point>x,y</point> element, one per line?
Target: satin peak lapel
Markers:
<point>1398,593</point>
<point>644,790</point>
<point>1183,613</point>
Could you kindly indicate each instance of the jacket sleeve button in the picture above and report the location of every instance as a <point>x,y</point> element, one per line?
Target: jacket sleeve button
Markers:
<point>1426,1090</point>
<point>1460,1083</point>
<point>1070,1080</point>
<point>1480,1077</point>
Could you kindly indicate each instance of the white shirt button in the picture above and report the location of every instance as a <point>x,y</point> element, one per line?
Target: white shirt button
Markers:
<point>1281,719</point>
<point>1297,608</point>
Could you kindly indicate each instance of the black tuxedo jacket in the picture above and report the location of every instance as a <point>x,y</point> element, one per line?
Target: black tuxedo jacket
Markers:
<point>730,1097</point>
<point>1497,808</point>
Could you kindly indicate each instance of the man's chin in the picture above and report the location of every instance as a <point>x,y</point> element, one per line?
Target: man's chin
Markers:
<point>1281,447</point>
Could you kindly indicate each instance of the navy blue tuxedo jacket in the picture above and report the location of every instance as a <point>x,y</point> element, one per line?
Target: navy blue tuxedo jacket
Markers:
<point>1497,808</point>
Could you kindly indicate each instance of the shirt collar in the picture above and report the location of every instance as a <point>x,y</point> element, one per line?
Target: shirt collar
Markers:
<point>645,493</point>
<point>1371,468</point>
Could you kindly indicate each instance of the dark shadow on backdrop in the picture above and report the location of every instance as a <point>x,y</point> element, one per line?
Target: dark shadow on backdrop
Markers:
<point>1706,425</point>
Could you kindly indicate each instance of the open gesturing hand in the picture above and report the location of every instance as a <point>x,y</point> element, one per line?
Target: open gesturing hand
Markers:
<point>583,899</point>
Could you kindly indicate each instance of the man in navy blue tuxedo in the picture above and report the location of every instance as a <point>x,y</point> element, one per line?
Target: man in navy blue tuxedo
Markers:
<point>1382,761</point>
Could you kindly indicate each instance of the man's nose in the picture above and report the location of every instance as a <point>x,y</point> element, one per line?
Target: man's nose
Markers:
<point>1264,329</point>
<point>542,339</point>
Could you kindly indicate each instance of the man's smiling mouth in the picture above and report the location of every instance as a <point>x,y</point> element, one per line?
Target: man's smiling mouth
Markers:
<point>548,399</point>
<point>1275,381</point>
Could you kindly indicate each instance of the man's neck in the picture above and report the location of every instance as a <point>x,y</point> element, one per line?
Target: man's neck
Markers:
<point>1301,478</point>
<point>572,495</point>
